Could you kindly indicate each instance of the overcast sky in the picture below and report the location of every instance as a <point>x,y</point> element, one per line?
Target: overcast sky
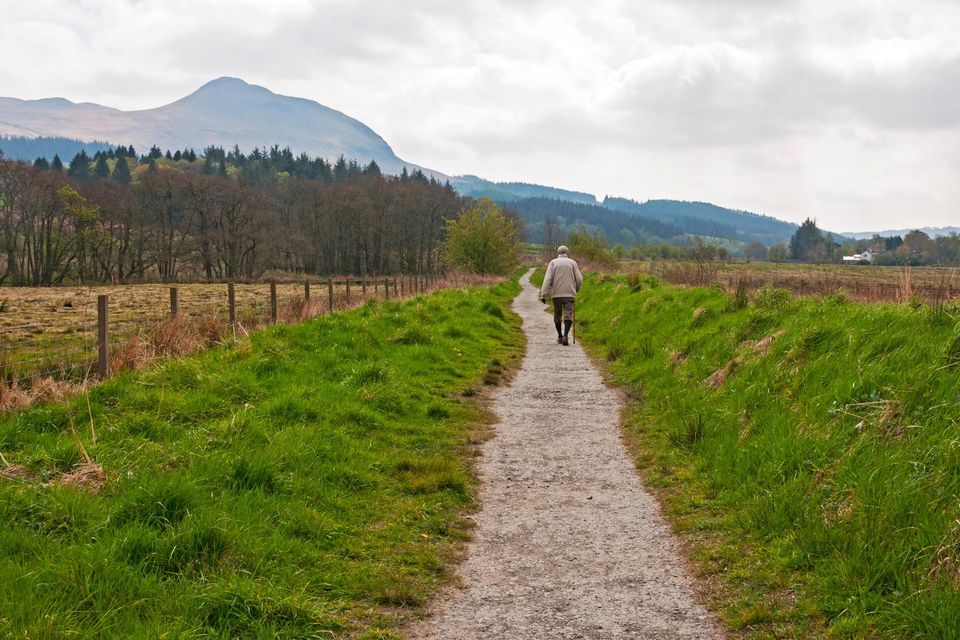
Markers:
<point>845,111</point>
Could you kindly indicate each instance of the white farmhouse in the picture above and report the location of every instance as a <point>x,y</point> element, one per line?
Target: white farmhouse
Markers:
<point>859,258</point>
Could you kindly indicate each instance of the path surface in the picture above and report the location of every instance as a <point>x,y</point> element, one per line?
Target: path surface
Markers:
<point>568,543</point>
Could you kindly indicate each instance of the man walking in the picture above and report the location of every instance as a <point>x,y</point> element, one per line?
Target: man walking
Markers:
<point>561,283</point>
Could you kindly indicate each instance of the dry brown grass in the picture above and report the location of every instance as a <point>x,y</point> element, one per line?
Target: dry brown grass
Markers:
<point>17,473</point>
<point>88,477</point>
<point>16,396</point>
<point>946,564</point>
<point>762,345</point>
<point>932,285</point>
<point>716,379</point>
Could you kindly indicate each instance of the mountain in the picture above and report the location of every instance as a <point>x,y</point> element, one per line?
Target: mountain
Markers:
<point>224,112</point>
<point>679,218</point>
<point>228,111</point>
<point>511,191</point>
<point>616,226</point>
<point>29,149</point>
<point>933,232</point>
<point>703,218</point>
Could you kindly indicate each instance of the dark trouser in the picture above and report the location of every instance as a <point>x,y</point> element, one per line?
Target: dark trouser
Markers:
<point>563,310</point>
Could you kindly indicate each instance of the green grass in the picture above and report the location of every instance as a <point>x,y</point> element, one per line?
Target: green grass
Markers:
<point>307,482</point>
<point>817,480</point>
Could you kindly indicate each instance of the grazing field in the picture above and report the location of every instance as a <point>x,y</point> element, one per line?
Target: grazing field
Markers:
<point>306,481</point>
<point>52,331</point>
<point>807,447</point>
<point>858,282</point>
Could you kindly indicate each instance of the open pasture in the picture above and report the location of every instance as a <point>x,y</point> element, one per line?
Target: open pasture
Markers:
<point>858,282</point>
<point>52,331</point>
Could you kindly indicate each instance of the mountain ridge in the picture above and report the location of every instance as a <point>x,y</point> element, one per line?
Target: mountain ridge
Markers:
<point>224,112</point>
<point>228,111</point>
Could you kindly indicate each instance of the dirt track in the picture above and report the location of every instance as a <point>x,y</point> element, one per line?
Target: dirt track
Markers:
<point>568,543</point>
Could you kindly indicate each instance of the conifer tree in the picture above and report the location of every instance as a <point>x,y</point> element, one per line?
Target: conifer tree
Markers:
<point>101,169</point>
<point>56,164</point>
<point>121,171</point>
<point>80,166</point>
<point>42,164</point>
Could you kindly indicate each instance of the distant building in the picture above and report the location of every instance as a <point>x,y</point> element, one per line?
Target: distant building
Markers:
<point>859,258</point>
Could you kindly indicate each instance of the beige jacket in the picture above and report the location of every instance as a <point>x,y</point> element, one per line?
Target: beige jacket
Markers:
<point>563,279</point>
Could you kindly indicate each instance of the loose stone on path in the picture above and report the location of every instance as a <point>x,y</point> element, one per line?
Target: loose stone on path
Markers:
<point>568,543</point>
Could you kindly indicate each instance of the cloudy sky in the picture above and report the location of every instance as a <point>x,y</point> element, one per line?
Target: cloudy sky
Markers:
<point>845,111</point>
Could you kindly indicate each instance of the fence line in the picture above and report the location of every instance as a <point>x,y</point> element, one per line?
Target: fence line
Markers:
<point>94,342</point>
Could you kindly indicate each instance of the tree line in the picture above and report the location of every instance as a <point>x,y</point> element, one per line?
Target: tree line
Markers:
<point>810,244</point>
<point>121,217</point>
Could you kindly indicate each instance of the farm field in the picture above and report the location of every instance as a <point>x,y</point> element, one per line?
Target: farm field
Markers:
<point>804,446</point>
<point>859,282</point>
<point>53,330</point>
<point>306,481</point>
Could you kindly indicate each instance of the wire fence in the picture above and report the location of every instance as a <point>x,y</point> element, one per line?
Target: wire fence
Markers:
<point>54,341</point>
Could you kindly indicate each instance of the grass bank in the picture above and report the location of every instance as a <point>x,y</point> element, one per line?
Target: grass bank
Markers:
<point>306,482</point>
<point>808,448</point>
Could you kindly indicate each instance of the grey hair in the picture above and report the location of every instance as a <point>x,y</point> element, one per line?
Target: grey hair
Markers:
<point>562,249</point>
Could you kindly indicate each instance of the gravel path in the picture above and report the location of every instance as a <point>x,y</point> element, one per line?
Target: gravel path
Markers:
<point>568,543</point>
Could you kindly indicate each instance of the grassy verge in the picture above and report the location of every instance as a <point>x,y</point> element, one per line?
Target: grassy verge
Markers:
<point>307,482</point>
<point>808,449</point>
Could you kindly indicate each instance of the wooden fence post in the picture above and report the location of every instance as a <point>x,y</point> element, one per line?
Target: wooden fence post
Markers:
<point>403,290</point>
<point>232,304</point>
<point>273,303</point>
<point>348,290</point>
<point>174,302</point>
<point>386,288</point>
<point>395,290</point>
<point>306,291</point>
<point>103,339</point>
<point>329,294</point>
<point>376,288</point>
<point>363,285</point>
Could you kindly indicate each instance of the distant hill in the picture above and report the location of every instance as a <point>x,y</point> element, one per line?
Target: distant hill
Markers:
<point>682,218</point>
<point>933,232</point>
<point>511,191</point>
<point>224,112</point>
<point>616,226</point>
<point>703,218</point>
<point>29,149</point>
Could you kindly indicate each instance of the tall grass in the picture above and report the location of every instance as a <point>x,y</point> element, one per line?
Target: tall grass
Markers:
<point>808,448</point>
<point>308,481</point>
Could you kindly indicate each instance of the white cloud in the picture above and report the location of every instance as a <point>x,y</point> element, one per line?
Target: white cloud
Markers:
<point>848,112</point>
